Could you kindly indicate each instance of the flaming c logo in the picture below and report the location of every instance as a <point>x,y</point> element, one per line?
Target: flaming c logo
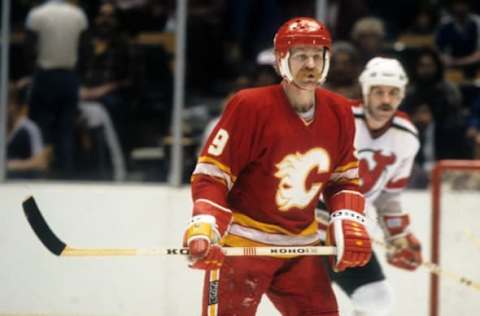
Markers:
<point>293,172</point>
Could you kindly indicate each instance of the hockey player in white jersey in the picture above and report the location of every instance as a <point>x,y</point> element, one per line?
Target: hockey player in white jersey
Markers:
<point>386,143</point>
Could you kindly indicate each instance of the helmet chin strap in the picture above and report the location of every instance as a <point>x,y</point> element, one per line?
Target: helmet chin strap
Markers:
<point>298,87</point>
<point>326,66</point>
<point>285,69</point>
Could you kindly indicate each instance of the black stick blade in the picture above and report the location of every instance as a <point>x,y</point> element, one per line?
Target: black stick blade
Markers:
<point>40,227</point>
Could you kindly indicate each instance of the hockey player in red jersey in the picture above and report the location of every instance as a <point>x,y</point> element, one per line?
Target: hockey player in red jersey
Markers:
<point>387,143</point>
<point>258,180</point>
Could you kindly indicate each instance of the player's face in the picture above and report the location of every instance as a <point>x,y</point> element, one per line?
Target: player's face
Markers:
<point>306,64</point>
<point>382,102</point>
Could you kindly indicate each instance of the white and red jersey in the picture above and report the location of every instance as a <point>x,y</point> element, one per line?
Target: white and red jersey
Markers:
<point>264,168</point>
<point>386,156</point>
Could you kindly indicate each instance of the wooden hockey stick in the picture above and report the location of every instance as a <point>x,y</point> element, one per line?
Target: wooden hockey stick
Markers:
<point>59,248</point>
<point>472,237</point>
<point>436,269</point>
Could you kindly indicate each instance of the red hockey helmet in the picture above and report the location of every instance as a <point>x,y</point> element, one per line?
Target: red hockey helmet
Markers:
<point>301,31</point>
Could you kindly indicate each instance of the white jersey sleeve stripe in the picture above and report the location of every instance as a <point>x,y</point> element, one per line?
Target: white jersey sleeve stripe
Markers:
<point>214,171</point>
<point>224,209</point>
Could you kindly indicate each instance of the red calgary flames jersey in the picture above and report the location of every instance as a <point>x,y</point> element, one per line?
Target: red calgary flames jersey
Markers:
<point>267,167</point>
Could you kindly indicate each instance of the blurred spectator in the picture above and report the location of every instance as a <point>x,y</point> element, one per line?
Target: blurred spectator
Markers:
<point>55,30</point>
<point>19,10</point>
<point>264,73</point>
<point>250,26</point>
<point>425,21</point>
<point>344,71</point>
<point>397,15</point>
<point>130,4</point>
<point>290,9</point>
<point>138,16</point>
<point>26,154</point>
<point>435,106</point>
<point>420,33</point>
<point>109,70</point>
<point>213,122</point>
<point>423,119</point>
<point>458,38</point>
<point>99,155</point>
<point>342,15</point>
<point>368,36</point>
<point>473,131</point>
<point>205,52</point>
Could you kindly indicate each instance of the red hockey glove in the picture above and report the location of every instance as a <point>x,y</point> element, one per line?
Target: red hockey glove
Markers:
<point>202,239</point>
<point>347,231</point>
<point>403,248</point>
<point>405,252</point>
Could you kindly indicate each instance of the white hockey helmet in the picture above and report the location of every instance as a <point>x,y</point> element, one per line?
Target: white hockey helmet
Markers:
<point>381,71</point>
<point>301,31</point>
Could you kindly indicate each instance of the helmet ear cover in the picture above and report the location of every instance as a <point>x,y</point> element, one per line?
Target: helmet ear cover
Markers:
<point>302,31</point>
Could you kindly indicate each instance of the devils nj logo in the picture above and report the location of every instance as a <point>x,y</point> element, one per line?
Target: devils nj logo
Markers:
<point>373,169</point>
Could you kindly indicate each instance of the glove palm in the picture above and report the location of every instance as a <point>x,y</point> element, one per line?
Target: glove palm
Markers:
<point>403,248</point>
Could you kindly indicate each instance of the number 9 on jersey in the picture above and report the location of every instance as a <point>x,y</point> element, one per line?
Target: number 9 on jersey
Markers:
<point>218,143</point>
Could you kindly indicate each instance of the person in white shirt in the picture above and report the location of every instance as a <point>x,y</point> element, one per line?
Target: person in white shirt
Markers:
<point>55,30</point>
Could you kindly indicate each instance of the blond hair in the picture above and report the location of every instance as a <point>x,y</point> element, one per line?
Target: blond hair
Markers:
<point>368,25</point>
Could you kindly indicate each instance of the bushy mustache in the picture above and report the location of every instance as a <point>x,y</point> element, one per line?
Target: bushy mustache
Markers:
<point>305,73</point>
<point>386,107</point>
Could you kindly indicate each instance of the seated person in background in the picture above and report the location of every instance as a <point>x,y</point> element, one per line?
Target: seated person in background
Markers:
<point>458,38</point>
<point>99,140</point>
<point>344,71</point>
<point>369,36</point>
<point>420,32</point>
<point>473,130</point>
<point>143,15</point>
<point>425,21</point>
<point>26,154</point>
<point>431,93</point>
<point>423,120</point>
<point>107,69</point>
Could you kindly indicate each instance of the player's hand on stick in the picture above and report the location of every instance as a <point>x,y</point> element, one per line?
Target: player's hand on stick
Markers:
<point>403,248</point>
<point>405,252</point>
<point>202,239</point>
<point>347,231</point>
